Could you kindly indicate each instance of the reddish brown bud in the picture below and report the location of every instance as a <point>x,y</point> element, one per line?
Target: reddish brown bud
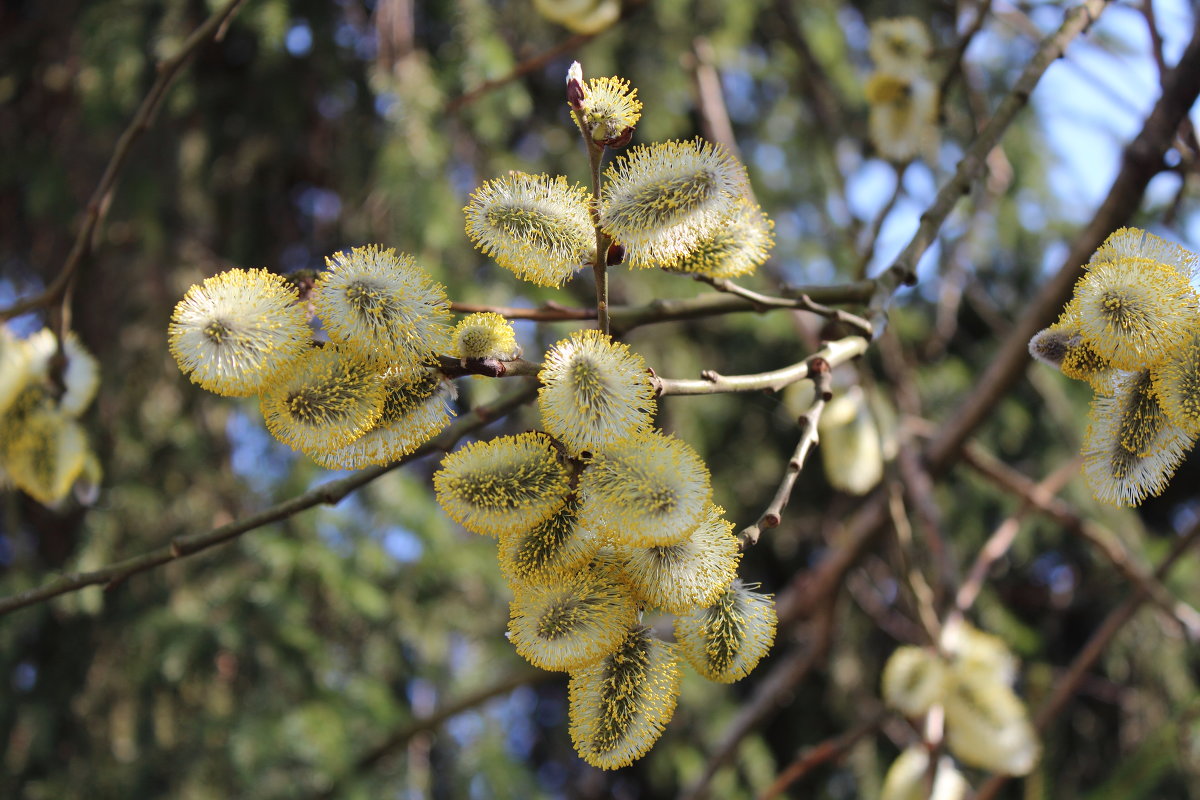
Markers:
<point>615,254</point>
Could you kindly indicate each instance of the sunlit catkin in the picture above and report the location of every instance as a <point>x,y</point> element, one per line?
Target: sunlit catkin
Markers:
<point>416,407</point>
<point>725,641</point>
<point>325,401</point>
<point>595,392</point>
<point>648,490</point>
<point>1132,447</point>
<point>547,551</point>
<point>620,706</point>
<point>380,304</point>
<point>485,335</point>
<point>611,107</point>
<point>14,368</point>
<point>234,333</point>
<point>690,574</point>
<point>736,247</point>
<point>509,483</point>
<point>536,226</point>
<point>573,622</point>
<point>1177,382</point>
<point>662,199</point>
<point>1133,311</point>
<point>1136,243</point>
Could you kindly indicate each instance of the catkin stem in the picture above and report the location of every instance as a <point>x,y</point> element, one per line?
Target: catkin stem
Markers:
<point>600,261</point>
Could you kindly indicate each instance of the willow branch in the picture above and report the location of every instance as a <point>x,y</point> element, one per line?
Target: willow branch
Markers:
<point>326,494</point>
<point>954,67</point>
<point>1005,534</point>
<point>550,312</point>
<point>453,367</point>
<point>1105,542</point>
<point>801,302</point>
<point>166,71</point>
<point>1141,161</point>
<point>626,318</point>
<point>835,353</point>
<point>819,369</point>
<point>867,251</point>
<point>1068,684</point>
<point>904,270</point>
<point>829,750</point>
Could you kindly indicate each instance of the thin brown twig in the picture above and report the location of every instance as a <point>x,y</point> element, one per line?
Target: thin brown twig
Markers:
<point>1105,542</point>
<point>1005,534</point>
<point>626,318</point>
<point>922,592</point>
<point>799,301</point>
<point>835,353</point>
<point>974,160</point>
<point>867,251</point>
<point>820,371</point>
<point>524,68</point>
<point>166,71</point>
<point>403,735</point>
<point>327,494</point>
<point>831,749</point>
<point>1069,683</point>
<point>954,66</point>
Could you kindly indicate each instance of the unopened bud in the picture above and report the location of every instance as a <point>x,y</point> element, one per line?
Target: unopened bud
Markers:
<point>576,93</point>
<point>615,254</point>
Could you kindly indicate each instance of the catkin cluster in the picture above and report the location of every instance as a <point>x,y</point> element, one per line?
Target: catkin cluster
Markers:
<point>1132,332</point>
<point>678,205</point>
<point>44,388</point>
<point>599,517</point>
<point>970,678</point>
<point>368,394</point>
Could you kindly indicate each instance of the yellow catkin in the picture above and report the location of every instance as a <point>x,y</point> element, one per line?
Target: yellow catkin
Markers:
<point>620,706</point>
<point>508,484</point>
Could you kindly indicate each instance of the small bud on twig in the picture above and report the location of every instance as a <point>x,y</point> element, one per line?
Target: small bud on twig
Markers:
<point>576,93</point>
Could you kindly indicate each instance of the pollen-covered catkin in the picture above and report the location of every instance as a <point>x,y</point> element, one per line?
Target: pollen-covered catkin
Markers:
<point>647,490</point>
<point>235,332</point>
<point>620,705</point>
<point>509,483</point>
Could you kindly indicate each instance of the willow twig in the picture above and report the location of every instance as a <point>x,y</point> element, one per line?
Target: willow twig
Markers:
<point>1105,542</point>
<point>520,70</point>
<point>904,270</point>
<point>453,367</point>
<point>1065,687</point>
<point>327,494</point>
<point>626,318</point>
<point>831,749</point>
<point>800,301</point>
<point>166,71</point>
<point>820,371</point>
<point>835,353</point>
<point>550,312</point>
